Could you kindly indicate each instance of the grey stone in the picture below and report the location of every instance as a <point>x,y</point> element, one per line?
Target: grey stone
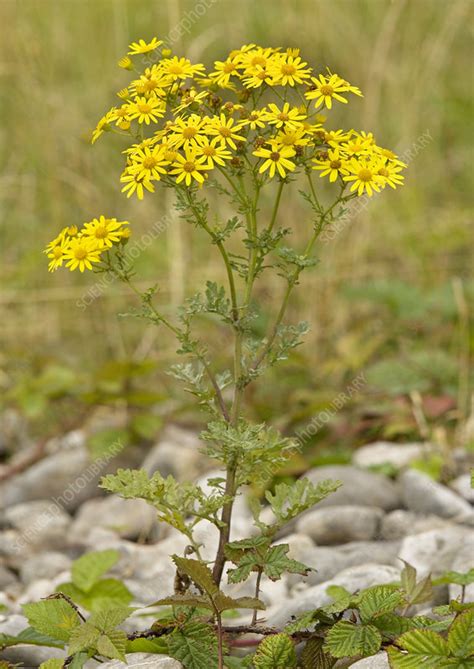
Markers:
<point>177,453</point>
<point>7,577</point>
<point>400,523</point>
<point>353,579</point>
<point>44,566</point>
<point>68,476</point>
<point>341,524</point>
<point>463,562</point>
<point>462,486</point>
<point>38,524</point>
<point>386,452</point>
<point>360,487</point>
<point>129,518</point>
<point>143,661</point>
<point>423,495</point>
<point>379,661</point>
<point>434,551</point>
<point>328,562</point>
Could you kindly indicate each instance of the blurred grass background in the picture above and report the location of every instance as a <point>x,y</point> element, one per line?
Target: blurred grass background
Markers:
<point>395,283</point>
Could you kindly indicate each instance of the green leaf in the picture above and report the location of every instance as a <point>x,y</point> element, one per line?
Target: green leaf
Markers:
<point>31,637</point>
<point>52,664</point>
<point>346,639</point>
<point>83,638</point>
<point>199,574</point>
<point>378,600</point>
<point>342,599</point>
<point>461,635</point>
<point>194,645</point>
<point>223,602</point>
<point>275,652</point>
<point>425,648</point>
<point>108,619</point>
<point>185,600</point>
<point>154,646</point>
<point>457,577</point>
<point>105,594</point>
<point>88,569</point>
<point>54,617</point>
<point>416,592</point>
<point>314,657</point>
<point>277,562</point>
<point>113,645</point>
<point>289,500</point>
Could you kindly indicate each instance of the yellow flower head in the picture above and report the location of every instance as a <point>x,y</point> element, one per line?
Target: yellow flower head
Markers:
<point>81,253</point>
<point>276,160</point>
<point>146,110</point>
<point>365,176</point>
<point>334,165</point>
<point>326,89</point>
<point>104,231</point>
<point>190,166</point>
<point>143,47</point>
<point>286,117</point>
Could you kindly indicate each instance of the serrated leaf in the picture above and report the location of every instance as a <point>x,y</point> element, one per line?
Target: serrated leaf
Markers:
<point>108,619</point>
<point>154,646</point>
<point>314,657</point>
<point>424,648</point>
<point>223,602</point>
<point>277,563</point>
<point>342,599</point>
<point>456,577</point>
<point>346,639</point>
<point>185,600</point>
<point>88,569</point>
<point>289,500</point>
<point>83,638</point>
<point>199,574</point>
<point>194,645</point>
<point>275,652</point>
<point>113,645</point>
<point>416,592</point>
<point>31,637</point>
<point>54,617</point>
<point>105,594</point>
<point>461,635</point>
<point>378,600</point>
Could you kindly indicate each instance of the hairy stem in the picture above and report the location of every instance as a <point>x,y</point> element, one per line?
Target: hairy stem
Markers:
<point>257,592</point>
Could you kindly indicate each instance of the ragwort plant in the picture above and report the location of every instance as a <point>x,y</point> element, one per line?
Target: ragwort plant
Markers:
<point>250,128</point>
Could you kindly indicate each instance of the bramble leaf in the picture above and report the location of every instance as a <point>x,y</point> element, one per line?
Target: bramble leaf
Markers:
<point>194,645</point>
<point>199,574</point>
<point>377,601</point>
<point>113,645</point>
<point>422,648</point>
<point>30,637</point>
<point>461,635</point>
<point>88,569</point>
<point>456,577</point>
<point>275,652</point>
<point>314,657</point>
<point>346,639</point>
<point>53,617</point>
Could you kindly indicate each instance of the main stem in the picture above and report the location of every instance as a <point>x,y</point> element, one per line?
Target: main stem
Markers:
<point>231,473</point>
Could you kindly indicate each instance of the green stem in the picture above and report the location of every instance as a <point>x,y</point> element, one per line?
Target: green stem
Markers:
<point>292,281</point>
<point>275,207</point>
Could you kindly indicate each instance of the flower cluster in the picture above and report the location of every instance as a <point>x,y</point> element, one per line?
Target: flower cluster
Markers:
<point>258,110</point>
<point>257,114</point>
<point>78,249</point>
